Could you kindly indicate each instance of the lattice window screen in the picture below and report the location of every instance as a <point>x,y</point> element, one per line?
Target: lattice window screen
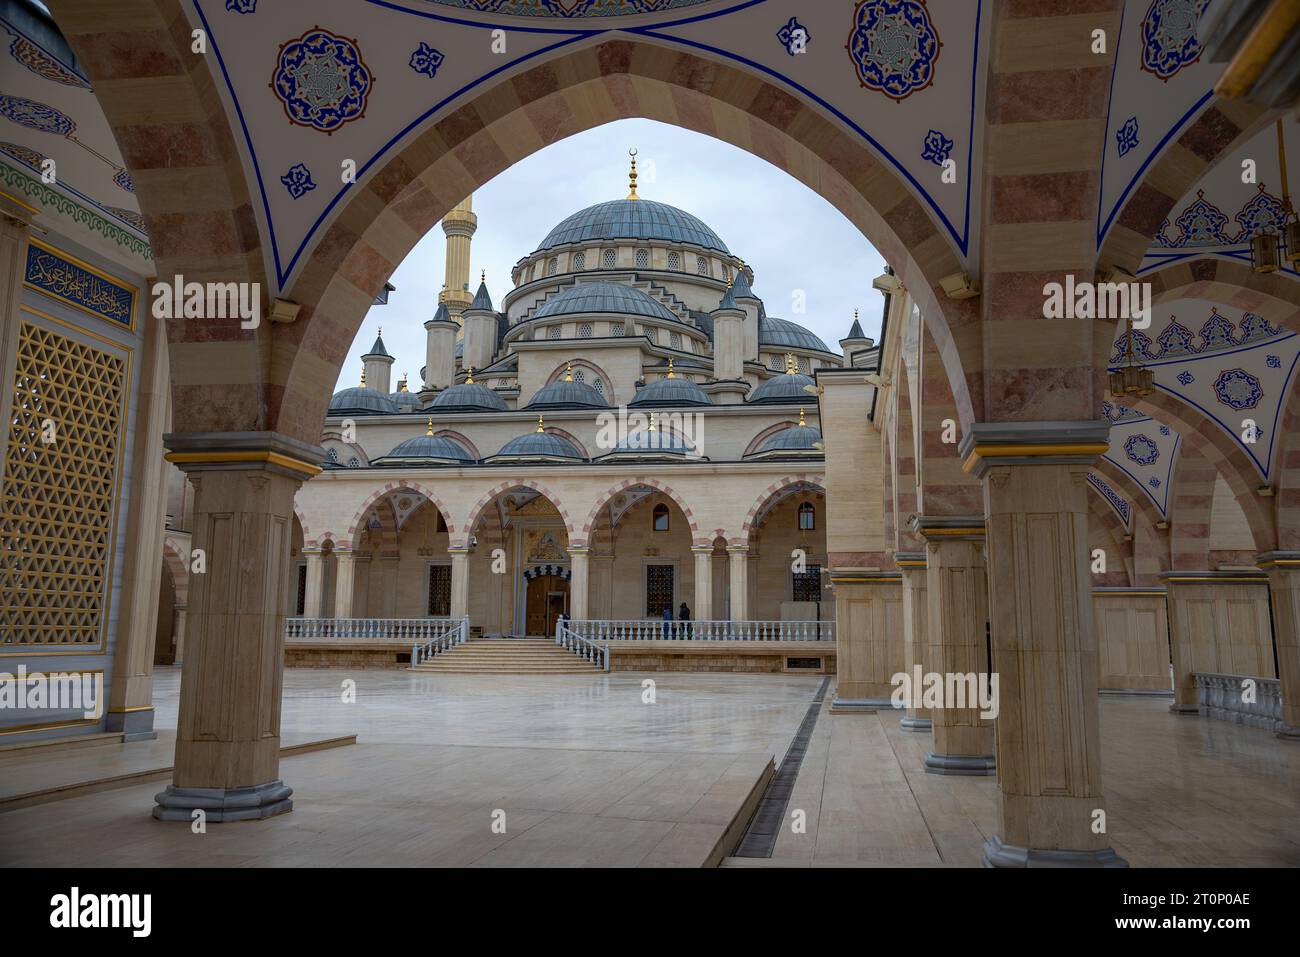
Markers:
<point>439,590</point>
<point>57,499</point>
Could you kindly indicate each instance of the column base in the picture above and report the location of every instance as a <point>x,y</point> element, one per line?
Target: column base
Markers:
<point>1177,708</point>
<point>960,764</point>
<point>997,854</point>
<point>223,804</point>
<point>921,725</point>
<point>1288,733</point>
<point>860,705</point>
<point>132,725</point>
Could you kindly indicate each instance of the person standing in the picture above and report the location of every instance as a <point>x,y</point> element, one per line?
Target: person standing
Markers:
<point>684,615</point>
<point>668,621</point>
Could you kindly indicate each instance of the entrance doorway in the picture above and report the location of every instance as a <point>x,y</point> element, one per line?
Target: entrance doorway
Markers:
<point>548,598</point>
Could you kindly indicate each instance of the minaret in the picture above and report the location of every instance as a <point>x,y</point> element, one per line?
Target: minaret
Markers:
<point>377,371</point>
<point>856,343</point>
<point>459,225</point>
<point>480,325</point>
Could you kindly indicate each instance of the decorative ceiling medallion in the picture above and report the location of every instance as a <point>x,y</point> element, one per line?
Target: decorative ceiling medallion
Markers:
<point>569,8</point>
<point>894,46</point>
<point>322,81</point>
<point>1238,389</point>
<point>1169,40</point>
<point>36,116</point>
<point>1142,450</point>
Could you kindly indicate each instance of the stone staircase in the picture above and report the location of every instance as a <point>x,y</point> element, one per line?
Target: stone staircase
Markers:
<point>508,656</point>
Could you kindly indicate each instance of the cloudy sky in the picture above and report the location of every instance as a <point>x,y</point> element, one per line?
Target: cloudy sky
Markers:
<point>793,239</point>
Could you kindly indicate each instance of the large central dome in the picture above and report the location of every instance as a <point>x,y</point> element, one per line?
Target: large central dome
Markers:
<point>633,219</point>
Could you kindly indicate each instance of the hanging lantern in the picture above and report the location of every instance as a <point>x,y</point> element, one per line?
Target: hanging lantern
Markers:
<point>1265,251</point>
<point>1292,241</point>
<point>1131,379</point>
<point>1290,225</point>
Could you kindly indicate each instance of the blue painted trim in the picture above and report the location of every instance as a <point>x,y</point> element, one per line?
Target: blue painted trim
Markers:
<point>1102,488</point>
<point>1161,507</point>
<point>75,193</point>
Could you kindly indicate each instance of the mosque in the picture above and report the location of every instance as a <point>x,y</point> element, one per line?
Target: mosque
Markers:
<point>495,558</point>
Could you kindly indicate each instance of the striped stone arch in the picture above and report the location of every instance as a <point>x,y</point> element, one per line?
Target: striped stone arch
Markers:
<point>384,538</point>
<point>757,441</point>
<point>1189,511</point>
<point>584,364</point>
<point>307,540</point>
<point>1099,511</point>
<point>1122,482</point>
<point>1271,295</point>
<point>357,525</point>
<point>747,526</point>
<point>461,439</point>
<point>660,486</point>
<point>541,488</point>
<point>178,565</point>
<point>1220,129</point>
<point>137,52</point>
<point>1286,499</point>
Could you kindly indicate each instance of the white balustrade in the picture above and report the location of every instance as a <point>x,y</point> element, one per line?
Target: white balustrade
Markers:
<point>585,648</point>
<point>1241,699</point>
<point>399,631</point>
<point>656,629</point>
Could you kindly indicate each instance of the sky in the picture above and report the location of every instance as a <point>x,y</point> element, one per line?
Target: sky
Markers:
<point>792,238</point>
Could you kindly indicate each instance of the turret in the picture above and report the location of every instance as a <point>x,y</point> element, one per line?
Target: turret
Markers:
<point>459,225</point>
<point>855,344</point>
<point>728,348</point>
<point>439,350</point>
<point>480,324</point>
<point>745,299</point>
<point>378,366</point>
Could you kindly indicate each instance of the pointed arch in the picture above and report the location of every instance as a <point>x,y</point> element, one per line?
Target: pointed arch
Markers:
<point>604,499</point>
<point>357,525</point>
<point>476,510</point>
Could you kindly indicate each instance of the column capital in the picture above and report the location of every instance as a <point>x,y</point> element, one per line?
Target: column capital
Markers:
<point>579,550</point>
<point>946,528</point>
<point>1279,561</point>
<point>455,550</point>
<point>1243,576</point>
<point>310,551</point>
<point>910,561</point>
<point>989,444</point>
<point>243,452</point>
<point>737,549</point>
<point>702,549</point>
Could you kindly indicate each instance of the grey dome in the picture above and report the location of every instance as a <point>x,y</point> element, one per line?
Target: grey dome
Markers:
<point>669,392</point>
<point>783,332</point>
<point>361,401</point>
<point>633,219</point>
<point>405,401</point>
<point>785,388</point>
<point>567,394</point>
<point>647,442</point>
<point>798,438</point>
<point>469,397</point>
<point>428,447</point>
<point>612,297</point>
<point>540,444</point>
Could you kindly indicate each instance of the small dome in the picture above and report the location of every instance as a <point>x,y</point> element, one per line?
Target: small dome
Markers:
<point>798,438</point>
<point>783,332</point>
<point>670,392</point>
<point>362,401</point>
<point>437,447</point>
<point>633,219</point>
<point>567,394</point>
<point>647,442</point>
<point>469,397</point>
<point>612,297</point>
<point>785,388</point>
<point>405,401</point>
<point>540,445</point>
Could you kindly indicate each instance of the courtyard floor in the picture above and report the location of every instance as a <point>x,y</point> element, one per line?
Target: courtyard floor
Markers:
<point>587,773</point>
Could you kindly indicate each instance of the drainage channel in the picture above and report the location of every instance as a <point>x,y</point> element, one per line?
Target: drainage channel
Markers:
<point>760,836</point>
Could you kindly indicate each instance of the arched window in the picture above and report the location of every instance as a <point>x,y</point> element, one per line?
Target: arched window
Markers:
<point>616,329</point>
<point>554,332</point>
<point>807,517</point>
<point>333,455</point>
<point>652,334</point>
<point>643,259</point>
<point>609,259</point>
<point>805,365</point>
<point>552,267</point>
<point>579,376</point>
<point>660,518</point>
<point>580,261</point>
<point>675,340</point>
<point>584,330</point>
<point>774,363</point>
<point>726,273</point>
<point>674,261</point>
<point>599,386</point>
<point>354,463</point>
<point>701,265</point>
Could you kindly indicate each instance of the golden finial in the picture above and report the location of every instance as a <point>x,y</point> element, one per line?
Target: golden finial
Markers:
<point>381,332</point>
<point>653,427</point>
<point>469,375</point>
<point>539,423</point>
<point>670,369</point>
<point>855,315</point>
<point>801,421</point>
<point>482,276</point>
<point>632,176</point>
<point>429,428</point>
<point>363,377</point>
<point>789,363</point>
<point>401,386</point>
<point>568,372</point>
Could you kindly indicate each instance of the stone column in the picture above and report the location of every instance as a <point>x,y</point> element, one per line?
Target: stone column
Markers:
<point>578,583</point>
<point>388,562</point>
<point>865,662</point>
<point>703,610</point>
<point>1044,643</point>
<point>178,633</point>
<point>1283,570</point>
<point>459,581</point>
<point>344,580</point>
<point>957,618</point>
<point>228,729</point>
<point>915,633</point>
<point>130,706</point>
<point>738,555</point>
<point>314,597</point>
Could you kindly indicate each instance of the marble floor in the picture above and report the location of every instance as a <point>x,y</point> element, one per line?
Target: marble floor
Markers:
<point>588,774</point>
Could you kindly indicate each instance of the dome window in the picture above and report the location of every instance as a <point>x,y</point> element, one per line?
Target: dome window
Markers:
<point>643,259</point>
<point>579,376</point>
<point>554,332</point>
<point>552,267</point>
<point>726,273</point>
<point>609,259</point>
<point>774,363</point>
<point>599,386</point>
<point>674,261</point>
<point>616,329</point>
<point>584,330</point>
<point>805,365</point>
<point>701,265</point>
<point>675,340</point>
<point>353,463</point>
<point>651,333</point>
<point>807,517</point>
<point>660,518</point>
<point>333,455</point>
<point>580,261</point>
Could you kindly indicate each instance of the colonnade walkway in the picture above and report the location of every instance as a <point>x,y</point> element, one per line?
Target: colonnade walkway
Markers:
<point>588,773</point>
